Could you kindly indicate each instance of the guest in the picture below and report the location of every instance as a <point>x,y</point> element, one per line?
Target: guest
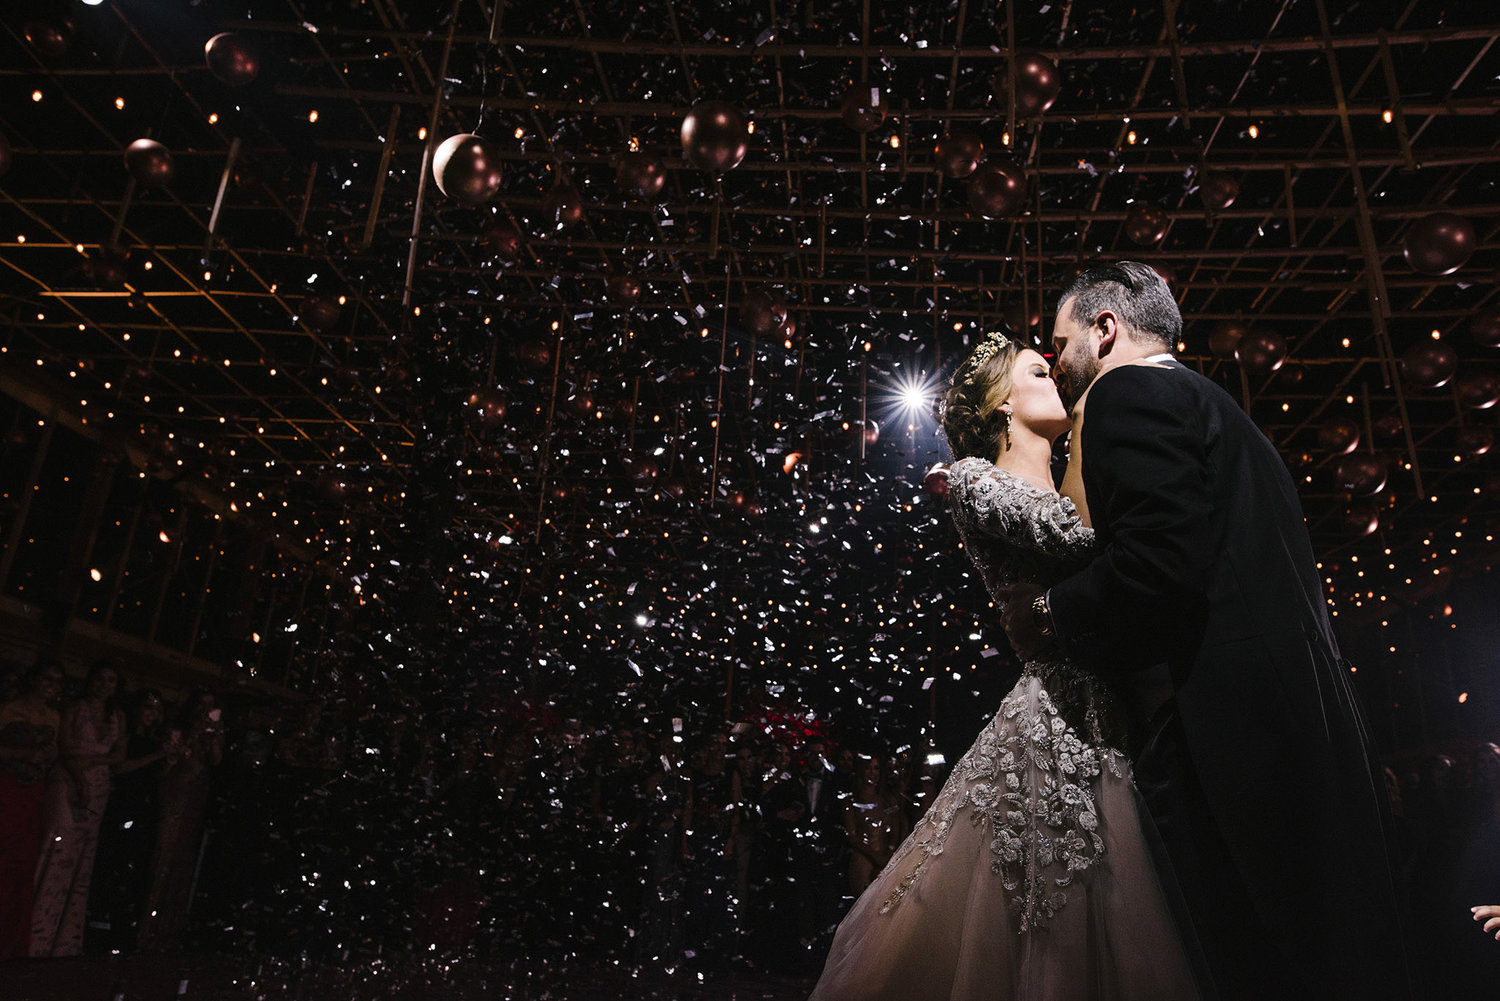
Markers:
<point>873,824</point>
<point>127,836</point>
<point>91,740</point>
<point>183,795</point>
<point>28,747</point>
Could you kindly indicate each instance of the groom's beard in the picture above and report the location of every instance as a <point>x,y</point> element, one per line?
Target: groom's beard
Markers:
<point>1076,380</point>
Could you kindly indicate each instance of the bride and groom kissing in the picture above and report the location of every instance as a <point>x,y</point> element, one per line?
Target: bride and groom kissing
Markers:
<point>1165,603</point>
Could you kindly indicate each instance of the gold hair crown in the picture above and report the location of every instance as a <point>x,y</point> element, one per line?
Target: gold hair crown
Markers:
<point>993,342</point>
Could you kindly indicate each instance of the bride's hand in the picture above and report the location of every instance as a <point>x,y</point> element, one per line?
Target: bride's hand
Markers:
<point>1490,915</point>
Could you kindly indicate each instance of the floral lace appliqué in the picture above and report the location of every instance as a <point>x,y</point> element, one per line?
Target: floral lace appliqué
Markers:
<point>1029,779</point>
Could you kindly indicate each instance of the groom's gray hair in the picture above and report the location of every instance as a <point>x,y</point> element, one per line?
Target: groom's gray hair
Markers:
<point>1135,293</point>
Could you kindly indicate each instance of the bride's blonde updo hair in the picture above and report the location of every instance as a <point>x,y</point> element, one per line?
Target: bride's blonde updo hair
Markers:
<point>970,410</point>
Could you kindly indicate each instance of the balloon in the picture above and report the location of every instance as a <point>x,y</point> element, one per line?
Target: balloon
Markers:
<point>959,154</point>
<point>997,190</point>
<point>1475,440</point>
<point>1145,224</point>
<point>1389,426</point>
<point>1038,83</point>
<point>622,289</point>
<point>563,205</point>
<point>1020,316</point>
<point>320,314</point>
<point>1261,351</point>
<point>863,107</point>
<point>108,268</point>
<point>1485,327</point>
<point>1429,364</point>
<point>1291,375</point>
<point>486,407</point>
<point>534,354</point>
<point>715,136</point>
<point>1225,337</point>
<point>1478,390</point>
<point>1339,435</point>
<point>149,162</point>
<point>640,174</point>
<point>1218,190</point>
<point>1360,474</point>
<point>49,39</point>
<point>763,311</point>
<point>1439,244</point>
<point>467,169</point>
<point>1361,520</point>
<point>231,58</point>
<point>506,241</point>
<point>936,481</point>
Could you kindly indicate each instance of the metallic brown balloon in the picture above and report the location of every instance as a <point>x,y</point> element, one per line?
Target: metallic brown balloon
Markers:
<point>1339,435</point>
<point>320,313</point>
<point>936,481</point>
<point>1145,224</point>
<point>467,169</point>
<point>1429,365</point>
<point>763,311</point>
<point>48,38</point>
<point>1218,190</point>
<point>1021,316</point>
<point>1439,244</point>
<point>1261,351</point>
<point>959,154</point>
<point>232,59</point>
<point>1478,389</point>
<point>1225,337</point>
<point>149,162</point>
<point>715,136</point>
<point>486,407</point>
<point>1038,83</point>
<point>504,239</point>
<point>622,289</point>
<point>1485,327</point>
<point>1361,520</point>
<point>863,107</point>
<point>562,206</point>
<point>1360,474</point>
<point>1389,425</point>
<point>997,190</point>
<point>109,268</point>
<point>640,174</point>
<point>1474,440</point>
<point>534,354</point>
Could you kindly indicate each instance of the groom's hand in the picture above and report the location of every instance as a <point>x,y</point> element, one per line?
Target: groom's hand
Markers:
<point>1490,915</point>
<point>1020,623</point>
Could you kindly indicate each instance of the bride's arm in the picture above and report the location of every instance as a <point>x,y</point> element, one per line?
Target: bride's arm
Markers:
<point>1072,484</point>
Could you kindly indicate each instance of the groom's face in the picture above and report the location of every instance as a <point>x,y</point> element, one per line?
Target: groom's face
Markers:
<point>1077,355</point>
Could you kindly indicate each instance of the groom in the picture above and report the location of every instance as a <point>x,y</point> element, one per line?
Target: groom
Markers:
<point>1256,770</point>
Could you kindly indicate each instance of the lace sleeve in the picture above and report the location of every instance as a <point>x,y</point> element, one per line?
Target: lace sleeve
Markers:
<point>989,501</point>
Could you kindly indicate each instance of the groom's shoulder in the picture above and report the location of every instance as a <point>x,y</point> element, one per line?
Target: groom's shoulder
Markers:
<point>1145,385</point>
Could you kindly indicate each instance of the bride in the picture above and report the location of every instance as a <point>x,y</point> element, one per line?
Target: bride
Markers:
<point>1030,877</point>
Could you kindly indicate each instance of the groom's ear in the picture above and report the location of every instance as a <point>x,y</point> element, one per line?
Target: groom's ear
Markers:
<point>1109,330</point>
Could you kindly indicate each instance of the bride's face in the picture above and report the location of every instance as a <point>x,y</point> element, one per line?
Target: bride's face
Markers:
<point>1034,400</point>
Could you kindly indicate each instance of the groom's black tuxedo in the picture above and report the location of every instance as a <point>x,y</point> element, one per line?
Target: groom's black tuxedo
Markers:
<point>1260,778</point>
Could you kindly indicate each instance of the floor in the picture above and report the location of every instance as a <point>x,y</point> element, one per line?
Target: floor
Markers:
<point>240,978</point>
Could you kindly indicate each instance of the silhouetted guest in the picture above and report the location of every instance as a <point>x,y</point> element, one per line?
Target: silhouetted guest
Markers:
<point>28,747</point>
<point>183,795</point>
<point>91,740</point>
<point>873,824</point>
<point>127,835</point>
<point>667,791</point>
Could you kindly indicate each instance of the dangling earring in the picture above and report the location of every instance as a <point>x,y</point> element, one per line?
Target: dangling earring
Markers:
<point>1005,431</point>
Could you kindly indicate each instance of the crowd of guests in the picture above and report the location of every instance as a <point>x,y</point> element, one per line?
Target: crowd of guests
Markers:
<point>101,810</point>
<point>129,823</point>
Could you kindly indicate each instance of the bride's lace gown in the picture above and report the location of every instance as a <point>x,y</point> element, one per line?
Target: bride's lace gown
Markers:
<point>1029,878</point>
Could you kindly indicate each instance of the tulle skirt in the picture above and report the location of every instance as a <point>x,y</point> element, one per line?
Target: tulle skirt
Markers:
<point>1030,878</point>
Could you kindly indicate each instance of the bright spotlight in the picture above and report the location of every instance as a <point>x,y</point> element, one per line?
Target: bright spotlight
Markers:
<point>910,392</point>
